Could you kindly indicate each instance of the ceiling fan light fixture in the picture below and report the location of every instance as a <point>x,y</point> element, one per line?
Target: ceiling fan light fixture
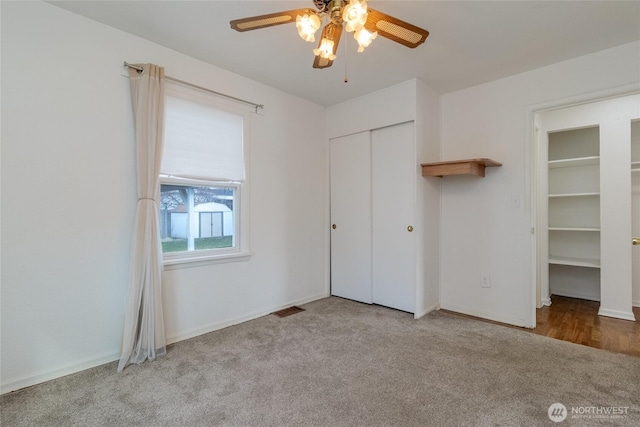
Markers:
<point>308,25</point>
<point>325,50</point>
<point>364,38</point>
<point>355,15</point>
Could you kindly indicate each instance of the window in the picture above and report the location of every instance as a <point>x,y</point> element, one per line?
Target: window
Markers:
<point>197,217</point>
<point>202,178</point>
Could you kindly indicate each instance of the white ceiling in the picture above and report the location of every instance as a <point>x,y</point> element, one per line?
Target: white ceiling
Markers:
<point>470,42</point>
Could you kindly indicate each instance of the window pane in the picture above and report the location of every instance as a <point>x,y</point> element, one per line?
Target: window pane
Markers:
<point>196,217</point>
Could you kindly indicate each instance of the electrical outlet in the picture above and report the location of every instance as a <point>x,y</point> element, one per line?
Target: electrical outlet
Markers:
<point>485,281</point>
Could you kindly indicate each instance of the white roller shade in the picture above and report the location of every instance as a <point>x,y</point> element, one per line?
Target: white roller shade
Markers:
<point>202,142</point>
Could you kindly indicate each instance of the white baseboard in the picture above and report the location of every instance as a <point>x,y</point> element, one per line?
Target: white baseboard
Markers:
<point>496,317</point>
<point>28,381</point>
<point>546,302</point>
<point>625,315</point>
<point>240,319</point>
<point>636,303</point>
<point>573,294</point>
<point>427,310</point>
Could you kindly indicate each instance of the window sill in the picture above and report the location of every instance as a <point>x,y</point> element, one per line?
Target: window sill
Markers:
<point>201,261</point>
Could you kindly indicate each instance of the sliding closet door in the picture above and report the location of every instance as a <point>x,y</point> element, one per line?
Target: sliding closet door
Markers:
<point>393,200</point>
<point>351,217</point>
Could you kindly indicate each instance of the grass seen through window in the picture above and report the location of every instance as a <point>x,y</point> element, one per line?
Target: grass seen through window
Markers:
<point>180,245</point>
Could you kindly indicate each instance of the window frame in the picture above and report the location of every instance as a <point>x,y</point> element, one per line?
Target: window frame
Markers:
<point>240,251</point>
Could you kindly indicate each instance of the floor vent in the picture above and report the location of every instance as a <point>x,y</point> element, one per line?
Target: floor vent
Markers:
<point>288,311</point>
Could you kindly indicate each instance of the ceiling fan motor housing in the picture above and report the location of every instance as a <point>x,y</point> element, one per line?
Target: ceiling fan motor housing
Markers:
<point>322,5</point>
<point>335,11</point>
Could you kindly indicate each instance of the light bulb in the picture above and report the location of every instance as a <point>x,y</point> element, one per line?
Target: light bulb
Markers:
<point>355,15</point>
<point>364,38</point>
<point>307,26</point>
<point>325,50</point>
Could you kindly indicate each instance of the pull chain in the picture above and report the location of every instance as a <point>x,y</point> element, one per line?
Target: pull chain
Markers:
<point>346,77</point>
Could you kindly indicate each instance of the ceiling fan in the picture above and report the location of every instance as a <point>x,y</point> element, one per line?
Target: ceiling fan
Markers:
<point>353,15</point>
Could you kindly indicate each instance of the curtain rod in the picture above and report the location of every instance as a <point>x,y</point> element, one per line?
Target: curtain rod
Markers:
<point>173,79</point>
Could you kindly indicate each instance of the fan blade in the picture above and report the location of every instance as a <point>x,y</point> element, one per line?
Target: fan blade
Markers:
<point>263,21</point>
<point>395,29</point>
<point>332,32</point>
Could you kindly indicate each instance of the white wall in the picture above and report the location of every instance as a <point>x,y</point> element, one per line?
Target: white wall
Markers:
<point>68,164</point>
<point>481,232</point>
<point>385,107</point>
<point>428,150</point>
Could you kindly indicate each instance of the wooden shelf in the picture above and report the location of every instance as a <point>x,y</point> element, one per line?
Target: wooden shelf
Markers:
<point>458,167</point>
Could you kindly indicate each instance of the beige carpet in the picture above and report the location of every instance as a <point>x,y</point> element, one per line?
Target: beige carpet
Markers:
<point>342,363</point>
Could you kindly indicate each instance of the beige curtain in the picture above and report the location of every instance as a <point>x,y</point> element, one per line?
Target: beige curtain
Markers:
<point>143,336</point>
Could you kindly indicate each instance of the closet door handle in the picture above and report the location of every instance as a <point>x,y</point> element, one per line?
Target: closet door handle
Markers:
<point>410,229</point>
<point>635,241</point>
<point>333,226</point>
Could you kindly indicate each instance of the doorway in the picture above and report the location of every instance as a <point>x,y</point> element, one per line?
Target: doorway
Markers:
<point>588,205</point>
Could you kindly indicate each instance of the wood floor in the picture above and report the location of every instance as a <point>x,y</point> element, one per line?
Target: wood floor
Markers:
<point>577,321</point>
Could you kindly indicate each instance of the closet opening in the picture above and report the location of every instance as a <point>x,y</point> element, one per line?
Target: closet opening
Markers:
<point>587,222</point>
